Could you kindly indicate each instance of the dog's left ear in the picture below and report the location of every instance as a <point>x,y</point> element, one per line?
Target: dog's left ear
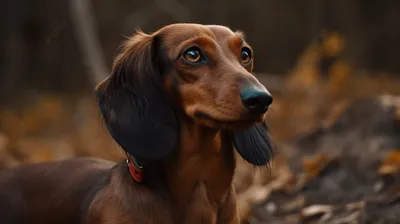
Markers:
<point>254,144</point>
<point>134,104</point>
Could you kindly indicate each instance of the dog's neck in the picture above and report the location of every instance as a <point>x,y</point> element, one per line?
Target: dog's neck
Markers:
<point>201,168</point>
<point>204,159</point>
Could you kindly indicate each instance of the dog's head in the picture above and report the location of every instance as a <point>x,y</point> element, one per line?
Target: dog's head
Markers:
<point>203,72</point>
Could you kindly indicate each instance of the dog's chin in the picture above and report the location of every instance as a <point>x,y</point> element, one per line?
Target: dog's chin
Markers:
<point>229,125</point>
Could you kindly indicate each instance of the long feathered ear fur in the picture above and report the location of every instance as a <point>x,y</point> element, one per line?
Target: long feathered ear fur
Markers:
<point>133,103</point>
<point>254,144</point>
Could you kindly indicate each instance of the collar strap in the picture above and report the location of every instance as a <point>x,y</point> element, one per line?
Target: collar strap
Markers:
<point>135,169</point>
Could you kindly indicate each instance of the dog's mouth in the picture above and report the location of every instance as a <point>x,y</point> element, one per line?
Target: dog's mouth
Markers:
<point>229,124</point>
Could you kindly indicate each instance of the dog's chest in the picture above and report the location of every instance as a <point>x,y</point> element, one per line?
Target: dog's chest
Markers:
<point>201,209</point>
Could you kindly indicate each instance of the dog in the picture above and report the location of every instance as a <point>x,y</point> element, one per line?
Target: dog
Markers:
<point>178,102</point>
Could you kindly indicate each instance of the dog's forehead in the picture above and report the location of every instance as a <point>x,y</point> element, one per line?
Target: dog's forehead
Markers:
<point>177,33</point>
<point>220,32</point>
<point>185,31</point>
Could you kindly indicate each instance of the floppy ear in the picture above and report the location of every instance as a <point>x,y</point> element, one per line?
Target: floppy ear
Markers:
<point>254,144</point>
<point>136,109</point>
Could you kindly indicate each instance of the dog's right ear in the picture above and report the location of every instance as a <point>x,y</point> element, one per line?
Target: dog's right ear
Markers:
<point>134,105</point>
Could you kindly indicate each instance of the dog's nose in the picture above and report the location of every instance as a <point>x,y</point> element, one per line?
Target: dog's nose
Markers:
<point>256,100</point>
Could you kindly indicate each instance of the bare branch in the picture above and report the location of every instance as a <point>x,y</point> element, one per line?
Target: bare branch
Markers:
<point>85,29</point>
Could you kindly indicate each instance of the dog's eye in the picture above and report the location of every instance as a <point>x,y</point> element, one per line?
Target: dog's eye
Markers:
<point>245,56</point>
<point>193,55</point>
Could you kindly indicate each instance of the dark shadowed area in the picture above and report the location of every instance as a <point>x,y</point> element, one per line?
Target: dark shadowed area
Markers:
<point>332,67</point>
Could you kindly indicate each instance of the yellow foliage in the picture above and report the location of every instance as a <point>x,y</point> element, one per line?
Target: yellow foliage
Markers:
<point>334,44</point>
<point>339,76</point>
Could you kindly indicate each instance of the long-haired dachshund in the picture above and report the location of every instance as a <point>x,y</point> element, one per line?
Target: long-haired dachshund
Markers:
<point>178,102</point>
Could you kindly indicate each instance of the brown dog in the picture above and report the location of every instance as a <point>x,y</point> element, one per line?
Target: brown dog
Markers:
<point>178,102</point>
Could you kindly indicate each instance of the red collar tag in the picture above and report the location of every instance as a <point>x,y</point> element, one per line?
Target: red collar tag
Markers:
<point>135,171</point>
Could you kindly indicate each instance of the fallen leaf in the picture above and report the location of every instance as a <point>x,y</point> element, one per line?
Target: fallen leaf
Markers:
<point>391,164</point>
<point>314,210</point>
<point>294,204</point>
<point>313,166</point>
<point>355,206</point>
<point>351,218</point>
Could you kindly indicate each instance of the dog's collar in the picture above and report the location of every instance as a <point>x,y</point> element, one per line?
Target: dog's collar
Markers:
<point>135,169</point>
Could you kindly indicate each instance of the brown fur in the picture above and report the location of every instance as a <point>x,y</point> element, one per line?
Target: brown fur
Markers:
<point>177,119</point>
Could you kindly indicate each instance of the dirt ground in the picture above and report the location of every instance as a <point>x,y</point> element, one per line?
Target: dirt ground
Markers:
<point>346,173</point>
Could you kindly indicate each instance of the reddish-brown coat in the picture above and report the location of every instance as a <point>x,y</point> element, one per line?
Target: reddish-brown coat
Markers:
<point>193,184</point>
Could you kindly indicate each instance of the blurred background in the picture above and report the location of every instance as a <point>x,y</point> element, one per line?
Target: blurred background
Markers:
<point>332,66</point>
